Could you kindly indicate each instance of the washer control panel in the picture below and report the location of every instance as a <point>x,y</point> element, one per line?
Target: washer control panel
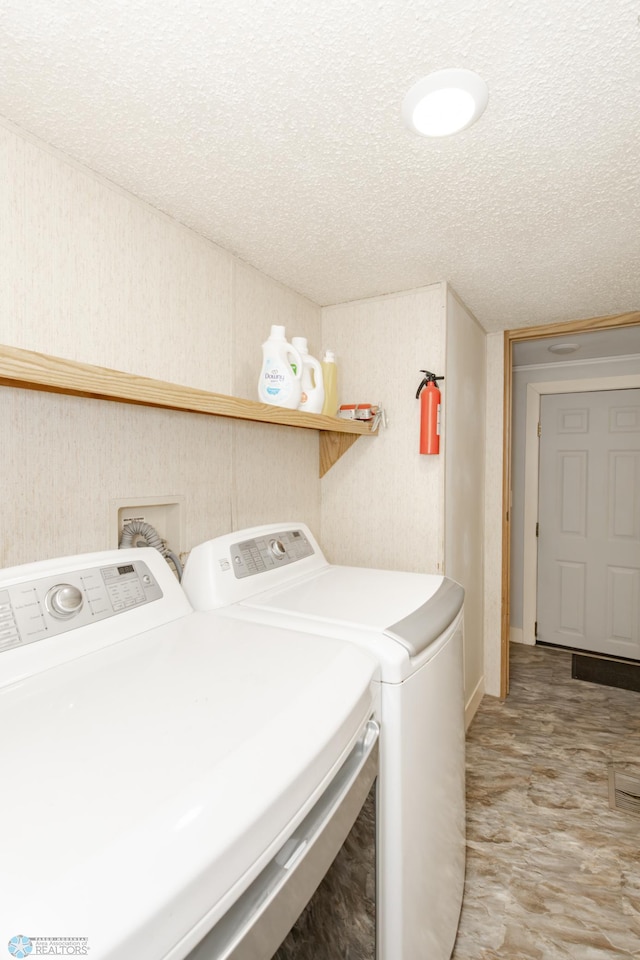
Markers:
<point>250,557</point>
<point>37,609</point>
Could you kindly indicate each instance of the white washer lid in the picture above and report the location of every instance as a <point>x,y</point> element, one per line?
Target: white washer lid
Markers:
<point>398,616</point>
<point>148,783</point>
<point>353,596</point>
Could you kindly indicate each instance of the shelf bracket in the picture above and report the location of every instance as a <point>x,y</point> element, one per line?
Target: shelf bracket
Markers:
<point>332,446</point>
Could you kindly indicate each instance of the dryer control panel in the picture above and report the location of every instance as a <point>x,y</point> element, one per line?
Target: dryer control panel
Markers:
<point>249,557</point>
<point>36,609</point>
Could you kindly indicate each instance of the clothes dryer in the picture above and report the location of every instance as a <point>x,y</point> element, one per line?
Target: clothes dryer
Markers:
<point>176,784</point>
<point>413,623</point>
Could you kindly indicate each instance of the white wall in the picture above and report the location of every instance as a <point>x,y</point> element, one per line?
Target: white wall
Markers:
<point>464,441</point>
<point>382,503</point>
<point>90,273</point>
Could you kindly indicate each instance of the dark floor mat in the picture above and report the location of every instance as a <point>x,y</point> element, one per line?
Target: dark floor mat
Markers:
<point>610,673</point>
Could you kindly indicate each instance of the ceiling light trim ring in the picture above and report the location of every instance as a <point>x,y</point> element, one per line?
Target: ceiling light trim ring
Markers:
<point>445,102</point>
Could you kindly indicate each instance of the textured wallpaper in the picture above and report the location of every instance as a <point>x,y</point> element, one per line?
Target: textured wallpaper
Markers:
<point>382,504</point>
<point>90,273</point>
<point>66,458</point>
<point>465,477</point>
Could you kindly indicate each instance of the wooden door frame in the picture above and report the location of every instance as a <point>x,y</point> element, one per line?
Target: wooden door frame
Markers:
<point>511,337</point>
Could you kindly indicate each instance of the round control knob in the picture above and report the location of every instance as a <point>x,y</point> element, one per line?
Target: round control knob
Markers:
<point>64,601</point>
<point>277,548</point>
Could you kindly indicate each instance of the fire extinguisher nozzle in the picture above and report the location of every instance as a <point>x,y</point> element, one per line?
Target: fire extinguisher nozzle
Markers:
<point>428,378</point>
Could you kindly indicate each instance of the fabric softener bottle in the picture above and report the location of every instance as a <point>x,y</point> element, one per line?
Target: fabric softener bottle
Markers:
<point>312,396</point>
<point>280,383</point>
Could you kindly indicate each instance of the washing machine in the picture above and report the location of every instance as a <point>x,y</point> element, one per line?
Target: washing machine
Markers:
<point>277,574</point>
<point>175,784</point>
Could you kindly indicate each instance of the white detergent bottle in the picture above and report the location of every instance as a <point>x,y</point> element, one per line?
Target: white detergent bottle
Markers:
<point>312,396</point>
<point>330,380</point>
<point>280,384</point>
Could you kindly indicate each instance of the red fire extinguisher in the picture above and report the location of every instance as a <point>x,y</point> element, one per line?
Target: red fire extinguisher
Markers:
<point>429,413</point>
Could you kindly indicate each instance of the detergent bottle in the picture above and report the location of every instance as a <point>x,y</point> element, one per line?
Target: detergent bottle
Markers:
<point>312,396</point>
<point>280,382</point>
<point>330,380</point>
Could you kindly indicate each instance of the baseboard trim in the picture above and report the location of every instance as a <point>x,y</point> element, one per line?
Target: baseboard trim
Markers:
<point>473,703</point>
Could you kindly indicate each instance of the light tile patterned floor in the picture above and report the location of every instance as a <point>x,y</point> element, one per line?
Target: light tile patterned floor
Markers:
<point>552,872</point>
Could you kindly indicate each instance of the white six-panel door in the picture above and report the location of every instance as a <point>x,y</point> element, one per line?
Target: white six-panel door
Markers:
<point>589,522</point>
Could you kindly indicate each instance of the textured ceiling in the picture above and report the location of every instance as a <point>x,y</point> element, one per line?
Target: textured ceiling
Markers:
<point>274,128</point>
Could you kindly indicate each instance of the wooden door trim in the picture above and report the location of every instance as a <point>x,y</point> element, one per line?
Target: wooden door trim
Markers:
<point>510,337</point>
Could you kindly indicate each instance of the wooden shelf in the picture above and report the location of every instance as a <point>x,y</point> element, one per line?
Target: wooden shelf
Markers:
<point>39,371</point>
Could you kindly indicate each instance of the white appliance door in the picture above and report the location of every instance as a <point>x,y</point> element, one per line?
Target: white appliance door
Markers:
<point>589,522</point>
<point>257,923</point>
<point>154,779</point>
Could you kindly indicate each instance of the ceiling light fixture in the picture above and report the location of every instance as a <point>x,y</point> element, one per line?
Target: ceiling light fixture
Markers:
<point>445,102</point>
<point>563,347</point>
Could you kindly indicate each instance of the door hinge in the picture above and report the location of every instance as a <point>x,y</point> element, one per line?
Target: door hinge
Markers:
<point>535,629</point>
<point>537,529</point>
<point>539,429</point>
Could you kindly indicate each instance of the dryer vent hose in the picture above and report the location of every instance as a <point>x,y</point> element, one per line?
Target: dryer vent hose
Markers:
<point>141,534</point>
